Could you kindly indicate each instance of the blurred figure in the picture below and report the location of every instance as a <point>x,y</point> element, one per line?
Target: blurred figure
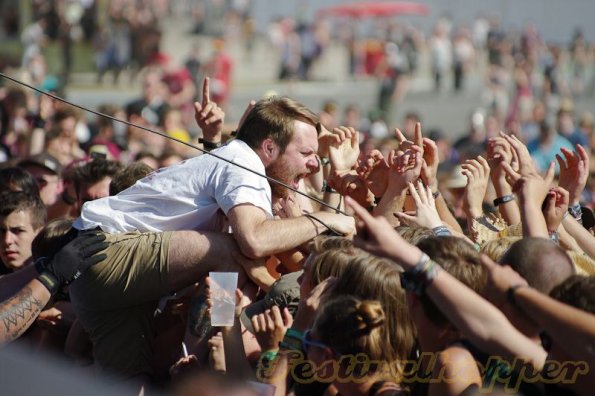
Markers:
<point>220,68</point>
<point>463,58</point>
<point>441,54</point>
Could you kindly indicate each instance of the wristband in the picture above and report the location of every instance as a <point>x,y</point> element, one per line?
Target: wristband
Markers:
<point>510,294</point>
<point>289,346</point>
<point>554,237</point>
<point>40,265</point>
<point>209,145</point>
<point>268,356</point>
<point>441,231</point>
<point>504,199</point>
<point>576,211</point>
<point>50,282</point>
<point>436,194</point>
<point>324,161</point>
<point>295,334</point>
<point>328,189</point>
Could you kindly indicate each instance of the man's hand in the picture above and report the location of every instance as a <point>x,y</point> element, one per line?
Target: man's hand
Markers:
<point>426,214</point>
<point>270,327</point>
<point>429,168</point>
<point>500,279</point>
<point>405,168</point>
<point>73,260</point>
<point>344,151</point>
<point>374,170</point>
<point>478,175</point>
<point>574,172</point>
<point>499,151</point>
<point>209,116</point>
<point>351,184</point>
<point>308,307</point>
<point>376,236</point>
<point>555,207</point>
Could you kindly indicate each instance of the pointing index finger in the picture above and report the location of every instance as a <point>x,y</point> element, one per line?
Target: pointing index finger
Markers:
<point>206,97</point>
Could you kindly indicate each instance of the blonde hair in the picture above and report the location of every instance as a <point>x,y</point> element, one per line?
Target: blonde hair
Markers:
<point>496,248</point>
<point>583,264</point>
<point>350,325</point>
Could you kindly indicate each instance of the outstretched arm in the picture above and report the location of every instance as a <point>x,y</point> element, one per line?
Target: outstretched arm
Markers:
<point>474,316</point>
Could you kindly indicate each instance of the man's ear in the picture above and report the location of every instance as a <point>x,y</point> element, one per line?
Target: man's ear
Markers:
<point>270,149</point>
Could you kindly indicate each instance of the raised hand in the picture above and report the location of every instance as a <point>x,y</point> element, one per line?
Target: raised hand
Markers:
<point>377,236</point>
<point>477,172</point>
<point>351,184</point>
<point>499,151</point>
<point>374,170</point>
<point>405,168</point>
<point>520,155</point>
<point>426,214</point>
<point>429,168</point>
<point>270,327</point>
<point>325,139</point>
<point>344,151</point>
<point>574,172</point>
<point>209,116</point>
<point>287,208</point>
<point>405,144</point>
<point>555,207</point>
<point>308,307</point>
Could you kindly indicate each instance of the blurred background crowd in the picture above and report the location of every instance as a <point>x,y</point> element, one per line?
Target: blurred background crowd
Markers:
<point>145,60</point>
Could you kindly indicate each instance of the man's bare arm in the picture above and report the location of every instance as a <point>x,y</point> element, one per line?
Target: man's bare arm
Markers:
<point>258,236</point>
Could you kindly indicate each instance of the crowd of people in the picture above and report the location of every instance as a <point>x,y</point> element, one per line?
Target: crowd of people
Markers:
<point>368,262</point>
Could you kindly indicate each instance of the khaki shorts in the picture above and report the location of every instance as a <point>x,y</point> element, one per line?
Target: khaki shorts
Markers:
<point>115,300</point>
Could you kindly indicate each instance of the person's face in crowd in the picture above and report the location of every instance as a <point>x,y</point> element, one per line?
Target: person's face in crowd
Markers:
<point>16,236</point>
<point>68,128</point>
<point>50,184</point>
<point>298,161</point>
<point>171,160</point>
<point>94,191</point>
<point>566,123</point>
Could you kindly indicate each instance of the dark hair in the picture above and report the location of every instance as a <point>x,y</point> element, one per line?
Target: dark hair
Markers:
<point>577,291</point>
<point>18,179</point>
<point>460,260</point>
<point>274,118</point>
<point>14,201</point>
<point>52,238</point>
<point>128,176</point>
<point>94,172</point>
<point>540,261</point>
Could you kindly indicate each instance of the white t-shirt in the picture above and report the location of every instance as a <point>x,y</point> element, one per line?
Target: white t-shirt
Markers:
<point>186,196</point>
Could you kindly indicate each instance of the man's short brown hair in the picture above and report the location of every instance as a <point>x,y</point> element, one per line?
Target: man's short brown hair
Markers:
<point>460,260</point>
<point>15,201</point>
<point>274,118</point>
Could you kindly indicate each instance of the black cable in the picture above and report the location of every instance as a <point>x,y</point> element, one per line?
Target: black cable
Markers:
<point>97,113</point>
<point>332,231</point>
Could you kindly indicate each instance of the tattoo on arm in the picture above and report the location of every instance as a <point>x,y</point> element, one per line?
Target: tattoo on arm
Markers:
<point>17,313</point>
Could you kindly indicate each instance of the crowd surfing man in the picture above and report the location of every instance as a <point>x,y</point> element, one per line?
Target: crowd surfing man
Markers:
<point>170,228</point>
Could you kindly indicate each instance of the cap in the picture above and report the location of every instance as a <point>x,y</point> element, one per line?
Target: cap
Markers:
<point>285,292</point>
<point>44,160</point>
